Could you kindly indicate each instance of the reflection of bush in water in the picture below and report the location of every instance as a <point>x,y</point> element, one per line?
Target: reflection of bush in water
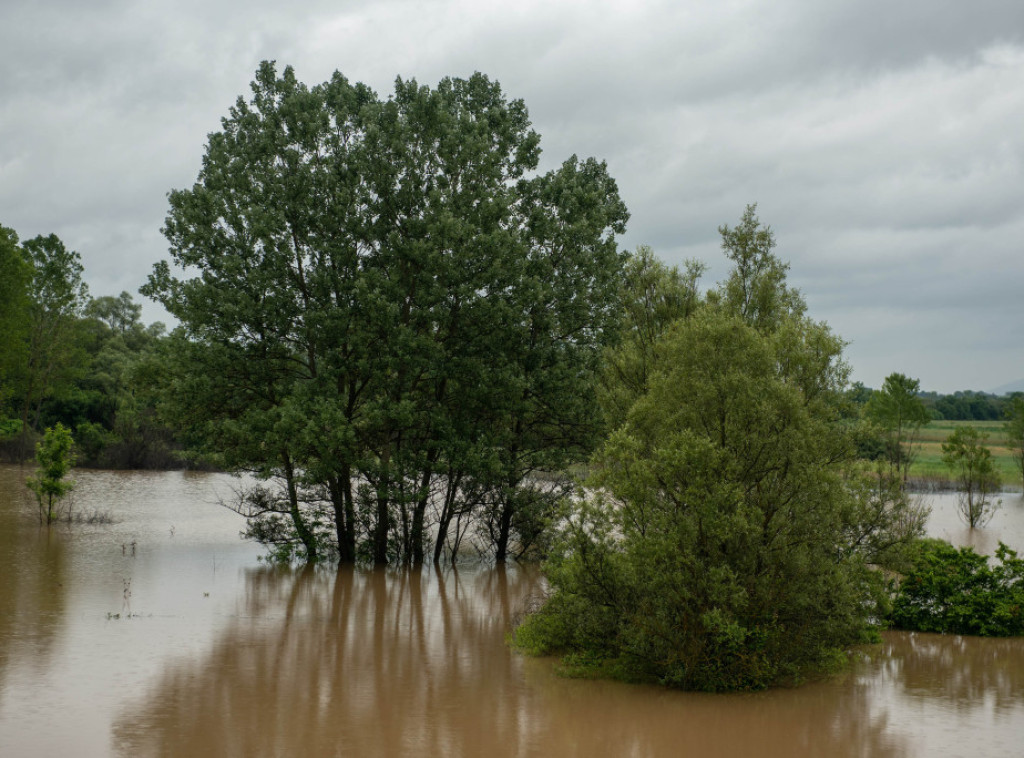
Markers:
<point>951,667</point>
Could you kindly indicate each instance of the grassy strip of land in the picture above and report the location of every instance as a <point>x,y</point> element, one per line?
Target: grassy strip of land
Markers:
<point>928,451</point>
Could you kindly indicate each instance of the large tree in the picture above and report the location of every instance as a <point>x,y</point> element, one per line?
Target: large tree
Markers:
<point>386,306</point>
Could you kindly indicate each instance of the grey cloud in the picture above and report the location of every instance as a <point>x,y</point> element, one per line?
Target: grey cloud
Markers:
<point>881,140</point>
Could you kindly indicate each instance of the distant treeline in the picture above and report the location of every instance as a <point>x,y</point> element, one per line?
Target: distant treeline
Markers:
<point>966,405</point>
<point>68,357</point>
<point>963,405</point>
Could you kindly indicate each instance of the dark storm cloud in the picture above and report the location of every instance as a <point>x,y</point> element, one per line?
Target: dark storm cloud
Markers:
<point>881,140</point>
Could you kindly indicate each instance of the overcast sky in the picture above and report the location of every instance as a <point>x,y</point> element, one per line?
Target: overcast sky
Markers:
<point>882,141</point>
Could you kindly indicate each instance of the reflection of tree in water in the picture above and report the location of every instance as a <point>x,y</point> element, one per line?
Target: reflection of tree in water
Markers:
<point>366,663</point>
<point>967,671</point>
<point>34,570</point>
<point>400,663</point>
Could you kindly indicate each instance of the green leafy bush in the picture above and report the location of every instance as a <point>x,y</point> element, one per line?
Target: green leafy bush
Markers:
<point>55,457</point>
<point>958,591</point>
<point>726,540</point>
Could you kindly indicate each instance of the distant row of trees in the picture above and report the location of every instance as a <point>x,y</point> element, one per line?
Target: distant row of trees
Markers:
<point>71,359</point>
<point>963,405</point>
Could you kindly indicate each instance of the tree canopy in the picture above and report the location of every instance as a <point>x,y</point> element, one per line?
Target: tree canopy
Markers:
<point>727,538</point>
<point>389,310</point>
<point>71,360</point>
<point>899,413</point>
<point>970,461</point>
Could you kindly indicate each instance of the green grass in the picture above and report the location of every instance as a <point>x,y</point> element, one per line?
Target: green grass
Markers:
<point>928,451</point>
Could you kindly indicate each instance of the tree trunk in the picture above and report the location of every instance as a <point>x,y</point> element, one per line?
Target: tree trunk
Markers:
<point>504,530</point>
<point>344,516</point>
<point>305,535</point>
<point>383,525</point>
<point>419,513</point>
<point>447,513</point>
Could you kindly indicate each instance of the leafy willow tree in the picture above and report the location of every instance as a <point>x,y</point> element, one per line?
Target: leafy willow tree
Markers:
<point>728,540</point>
<point>970,462</point>
<point>898,411</point>
<point>1014,428</point>
<point>388,312</point>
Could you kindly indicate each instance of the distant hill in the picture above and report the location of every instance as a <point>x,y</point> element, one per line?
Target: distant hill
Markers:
<point>1017,386</point>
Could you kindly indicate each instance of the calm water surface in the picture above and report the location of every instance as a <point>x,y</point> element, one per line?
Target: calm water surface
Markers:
<point>189,646</point>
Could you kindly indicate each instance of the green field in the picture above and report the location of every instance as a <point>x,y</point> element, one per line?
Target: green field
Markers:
<point>928,451</point>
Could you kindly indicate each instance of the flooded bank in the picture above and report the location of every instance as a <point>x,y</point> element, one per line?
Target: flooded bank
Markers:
<point>190,646</point>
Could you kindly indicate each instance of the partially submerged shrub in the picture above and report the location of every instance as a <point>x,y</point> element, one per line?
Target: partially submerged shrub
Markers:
<point>55,457</point>
<point>958,591</point>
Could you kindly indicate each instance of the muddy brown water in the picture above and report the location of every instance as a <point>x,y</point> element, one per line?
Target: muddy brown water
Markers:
<point>163,634</point>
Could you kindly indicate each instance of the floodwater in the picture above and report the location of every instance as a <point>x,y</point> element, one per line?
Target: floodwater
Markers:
<point>163,634</point>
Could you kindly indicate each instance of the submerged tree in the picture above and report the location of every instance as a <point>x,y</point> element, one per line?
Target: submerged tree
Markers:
<point>388,310</point>
<point>55,457</point>
<point>965,454</point>
<point>728,543</point>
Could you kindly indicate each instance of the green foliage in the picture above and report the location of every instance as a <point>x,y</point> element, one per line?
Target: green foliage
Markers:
<point>1014,429</point>
<point>898,412</point>
<point>10,428</point>
<point>55,457</point>
<point>47,357</point>
<point>15,275</point>
<point>727,543</point>
<point>928,463</point>
<point>965,454</point>
<point>652,297</point>
<point>965,405</point>
<point>120,314</point>
<point>756,289</point>
<point>392,312</point>
<point>883,520</point>
<point>68,359</point>
<point>957,591</point>
<point>91,440</point>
